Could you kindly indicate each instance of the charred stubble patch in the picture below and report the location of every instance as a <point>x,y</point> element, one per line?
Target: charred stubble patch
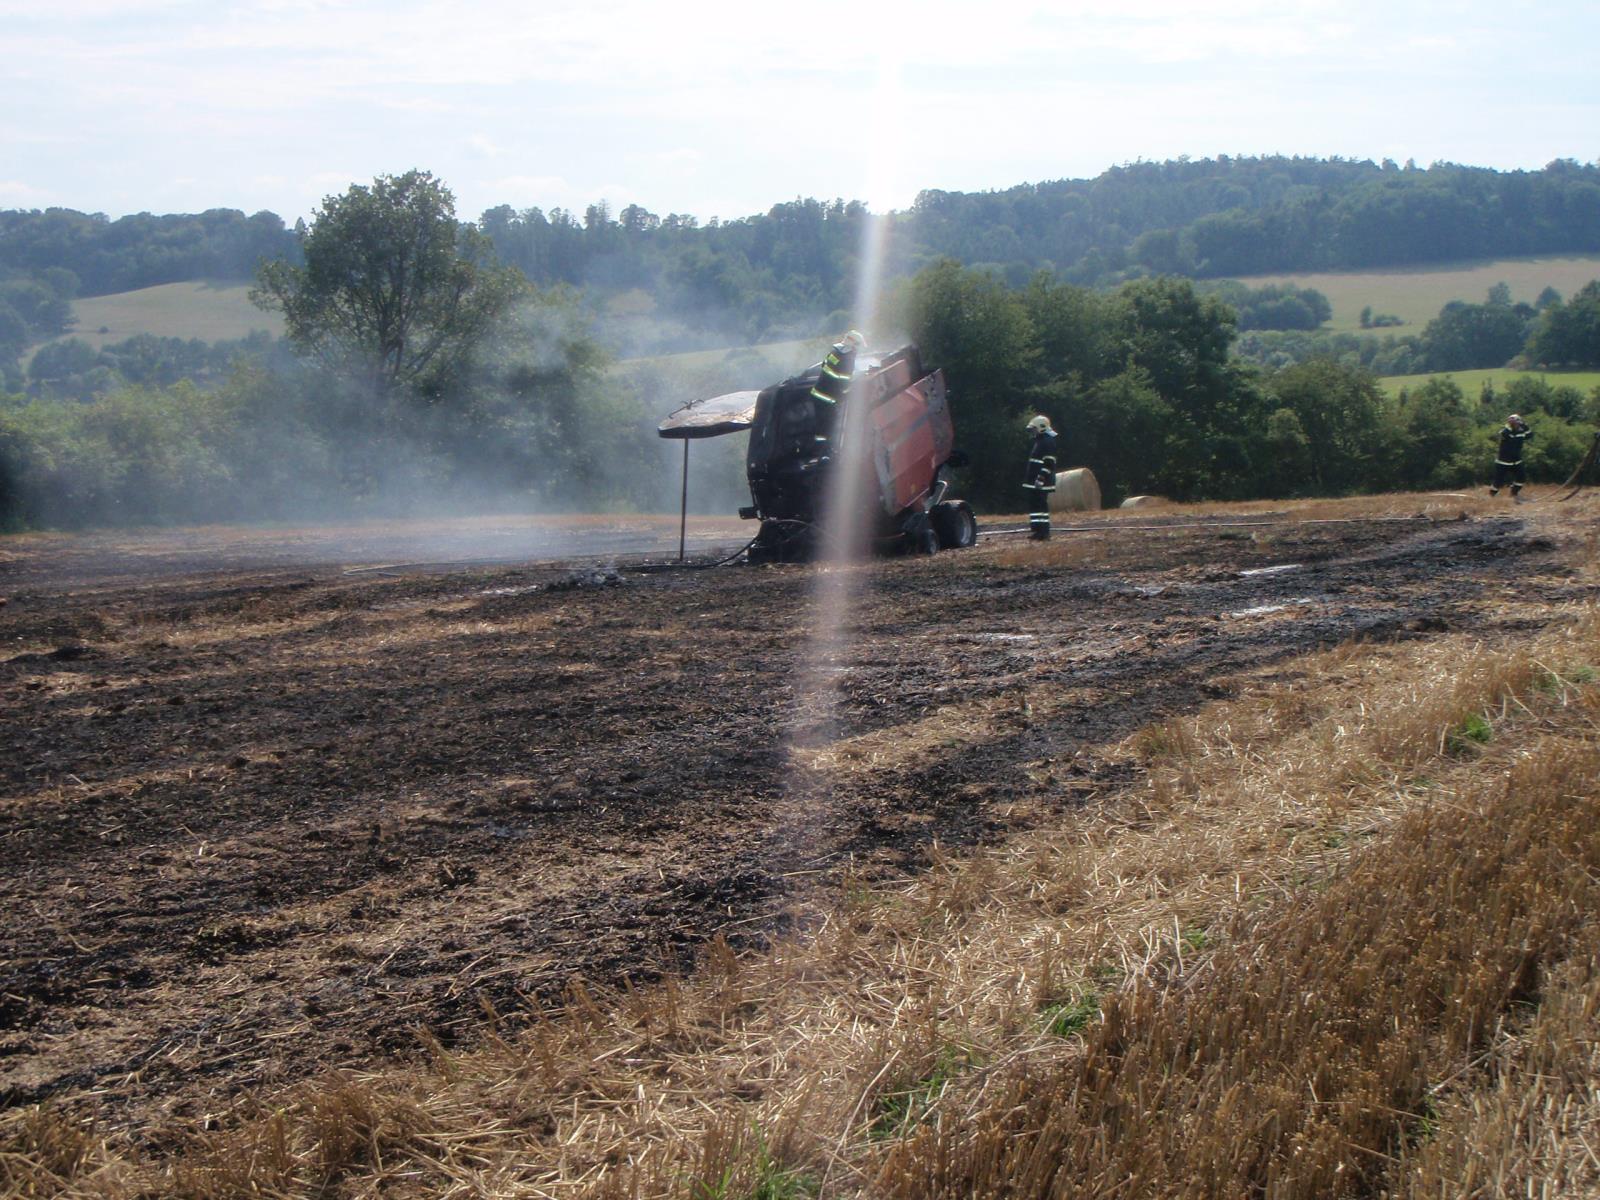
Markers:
<point>299,818</point>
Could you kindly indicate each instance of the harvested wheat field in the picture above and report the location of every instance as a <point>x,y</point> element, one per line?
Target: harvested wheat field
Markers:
<point>1220,851</point>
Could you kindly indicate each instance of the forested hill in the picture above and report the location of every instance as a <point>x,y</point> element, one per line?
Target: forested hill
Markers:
<point>791,265</point>
<point>141,250</point>
<point>1243,216</point>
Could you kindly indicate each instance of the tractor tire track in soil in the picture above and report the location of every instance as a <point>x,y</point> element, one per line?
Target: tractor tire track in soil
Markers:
<point>253,825</point>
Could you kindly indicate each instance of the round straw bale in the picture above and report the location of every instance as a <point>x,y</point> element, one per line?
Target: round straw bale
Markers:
<point>1143,502</point>
<point>1076,491</point>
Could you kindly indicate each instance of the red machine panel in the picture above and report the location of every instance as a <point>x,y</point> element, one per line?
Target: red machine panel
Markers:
<point>911,439</point>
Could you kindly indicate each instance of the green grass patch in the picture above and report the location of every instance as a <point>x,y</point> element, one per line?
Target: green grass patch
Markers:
<point>787,357</point>
<point>901,1107</point>
<point>1471,382</point>
<point>1416,295</point>
<point>1107,974</point>
<point>775,1183</point>
<point>1473,730</point>
<point>1073,1016</point>
<point>1553,684</point>
<point>765,1179</point>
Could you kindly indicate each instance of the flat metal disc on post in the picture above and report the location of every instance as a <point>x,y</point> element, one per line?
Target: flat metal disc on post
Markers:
<point>712,417</point>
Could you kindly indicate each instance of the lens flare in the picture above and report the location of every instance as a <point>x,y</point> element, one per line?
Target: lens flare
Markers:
<point>842,569</point>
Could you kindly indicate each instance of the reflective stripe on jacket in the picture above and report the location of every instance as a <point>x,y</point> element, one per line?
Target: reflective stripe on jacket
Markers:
<point>834,379</point>
<point>1511,445</point>
<point>1041,472</point>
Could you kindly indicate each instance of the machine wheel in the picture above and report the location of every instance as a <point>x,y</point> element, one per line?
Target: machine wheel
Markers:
<point>954,524</point>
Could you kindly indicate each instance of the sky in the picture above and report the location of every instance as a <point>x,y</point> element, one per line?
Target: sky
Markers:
<point>723,109</point>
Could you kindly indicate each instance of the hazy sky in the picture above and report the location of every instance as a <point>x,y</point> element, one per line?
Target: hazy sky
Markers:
<point>723,108</point>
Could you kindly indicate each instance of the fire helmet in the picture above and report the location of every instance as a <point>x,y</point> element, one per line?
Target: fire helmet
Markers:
<point>1039,424</point>
<point>855,338</point>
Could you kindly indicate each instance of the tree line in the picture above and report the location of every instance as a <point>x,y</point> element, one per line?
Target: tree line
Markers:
<point>416,373</point>
<point>106,255</point>
<point>418,367</point>
<point>788,270</point>
<point>50,258</point>
<point>1141,383</point>
<point>1550,333</point>
<point>662,283</point>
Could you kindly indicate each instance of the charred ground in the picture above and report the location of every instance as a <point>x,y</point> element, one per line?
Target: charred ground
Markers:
<point>255,824</point>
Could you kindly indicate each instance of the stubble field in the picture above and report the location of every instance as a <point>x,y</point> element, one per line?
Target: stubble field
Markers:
<point>263,822</point>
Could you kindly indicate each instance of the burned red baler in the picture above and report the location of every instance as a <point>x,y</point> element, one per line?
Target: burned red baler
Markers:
<point>796,446</point>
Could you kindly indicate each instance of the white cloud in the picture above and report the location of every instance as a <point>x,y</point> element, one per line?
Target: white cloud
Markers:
<point>311,190</point>
<point>29,12</point>
<point>618,54</point>
<point>525,191</point>
<point>728,107</point>
<point>416,104</point>
<point>23,195</point>
<point>678,158</point>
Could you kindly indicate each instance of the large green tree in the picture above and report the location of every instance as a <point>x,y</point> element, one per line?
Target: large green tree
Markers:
<point>1569,333</point>
<point>979,331</point>
<point>1179,340</point>
<point>1342,413</point>
<point>1464,336</point>
<point>394,291</point>
<point>1433,430</point>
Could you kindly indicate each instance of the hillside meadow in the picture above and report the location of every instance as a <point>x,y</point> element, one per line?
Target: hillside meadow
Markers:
<point>1472,383</point>
<point>215,312</point>
<point>1416,294</point>
<point>792,356</point>
<point>222,311</point>
<point>212,312</point>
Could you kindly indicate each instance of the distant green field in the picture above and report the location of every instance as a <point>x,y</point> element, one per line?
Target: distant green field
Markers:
<point>210,312</point>
<point>1417,294</point>
<point>795,354</point>
<point>220,312</point>
<point>1471,382</point>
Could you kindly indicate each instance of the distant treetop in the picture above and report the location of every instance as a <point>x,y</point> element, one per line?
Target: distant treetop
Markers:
<point>1206,218</point>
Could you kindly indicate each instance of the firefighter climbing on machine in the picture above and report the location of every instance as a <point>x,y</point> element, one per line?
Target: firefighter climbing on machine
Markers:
<point>833,383</point>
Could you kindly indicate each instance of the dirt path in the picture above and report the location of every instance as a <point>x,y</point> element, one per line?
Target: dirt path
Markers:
<point>252,825</point>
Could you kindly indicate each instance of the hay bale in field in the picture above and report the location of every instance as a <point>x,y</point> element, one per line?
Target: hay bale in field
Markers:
<point>1076,491</point>
<point>1143,502</point>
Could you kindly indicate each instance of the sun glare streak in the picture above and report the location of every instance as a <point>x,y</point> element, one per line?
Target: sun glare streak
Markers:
<point>845,536</point>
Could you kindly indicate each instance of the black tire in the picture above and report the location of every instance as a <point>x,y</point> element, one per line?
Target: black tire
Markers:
<point>954,524</point>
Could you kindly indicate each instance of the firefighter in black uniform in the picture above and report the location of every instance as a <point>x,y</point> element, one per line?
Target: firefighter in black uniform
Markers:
<point>1508,461</point>
<point>833,382</point>
<point>1040,478</point>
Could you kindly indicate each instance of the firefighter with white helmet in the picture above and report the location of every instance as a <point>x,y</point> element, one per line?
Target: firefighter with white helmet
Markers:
<point>1039,480</point>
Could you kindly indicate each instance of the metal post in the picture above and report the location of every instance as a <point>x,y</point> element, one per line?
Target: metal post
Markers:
<point>683,507</point>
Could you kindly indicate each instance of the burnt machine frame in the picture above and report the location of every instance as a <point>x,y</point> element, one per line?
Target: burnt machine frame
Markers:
<point>795,447</point>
